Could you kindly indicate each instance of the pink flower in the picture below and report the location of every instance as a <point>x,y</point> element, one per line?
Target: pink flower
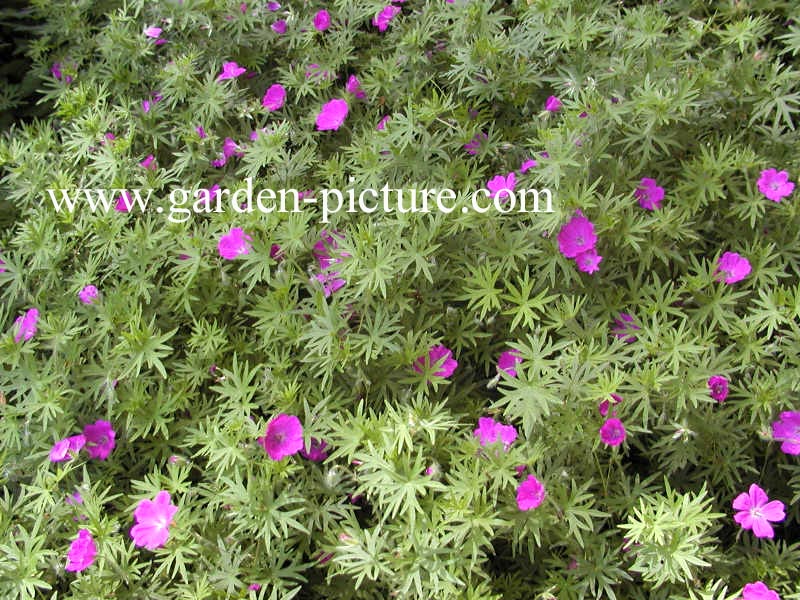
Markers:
<point>787,430</point>
<point>55,71</point>
<point>153,32</point>
<point>332,115</point>
<point>530,493</point>
<point>2,268</point>
<point>279,26</point>
<point>527,165</point>
<point>74,499</point>
<point>124,202</point>
<point>436,354</point>
<point>508,361</point>
<point>330,282</point>
<point>26,325</point>
<point>588,261</point>
<point>576,236</point>
<point>552,104</point>
<point>473,146</point>
<point>612,433</point>
<point>230,70</point>
<point>758,591</point>
<point>649,194</point>
<point>67,448</point>
<point>88,294</point>
<point>500,186</point>
<point>382,123</point>
<point>382,19</point>
<point>99,439</point>
<point>201,132</point>
<point>354,87</point>
<point>775,185</point>
<point>624,327</point>
<point>756,512</point>
<point>146,106</point>
<point>234,243</point>
<point>274,97</point>
<point>273,6</point>
<point>603,407</point>
<point>316,451</point>
<point>489,431</point>
<point>732,267</point>
<point>718,387</point>
<point>231,148</point>
<point>254,587</point>
<point>149,163</point>
<point>283,437</point>
<point>322,20</point>
<point>153,519</point>
<point>82,551</point>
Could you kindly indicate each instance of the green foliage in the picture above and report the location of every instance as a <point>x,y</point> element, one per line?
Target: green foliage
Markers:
<point>189,355</point>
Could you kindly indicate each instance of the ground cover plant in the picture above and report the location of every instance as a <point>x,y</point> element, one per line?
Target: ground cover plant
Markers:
<point>601,400</point>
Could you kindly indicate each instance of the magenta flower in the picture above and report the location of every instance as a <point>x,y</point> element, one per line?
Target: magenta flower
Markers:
<point>732,267</point>
<point>332,115</point>
<point>274,97</point>
<point>283,437</point>
<point>552,104</point>
<point>490,431</point>
<point>279,26</point>
<point>756,512</point>
<point>124,202</point>
<point>436,354</point>
<point>2,268</point>
<point>382,19</point>
<point>624,328</point>
<point>153,519</point>
<point>382,123</point>
<point>530,493</point>
<point>576,236</point>
<point>67,448</point>
<point>605,405</point>
<point>26,325</point>
<point>508,362</point>
<point>230,70</point>
<point>326,250</point>
<point>500,186</point>
<point>55,71</point>
<point>149,163</point>
<point>74,499</point>
<point>88,294</point>
<point>787,430</point>
<point>775,185</point>
<point>612,433</point>
<point>316,451</point>
<point>527,165</point>
<point>231,148</point>
<point>99,439</point>
<point>273,6</point>
<point>234,243</point>
<point>201,132</point>
<point>354,87</point>
<point>758,591</point>
<point>254,587</point>
<point>145,106</point>
<point>649,194</point>
<point>153,32</point>
<point>322,20</point>
<point>474,145</point>
<point>330,282</point>
<point>588,261</point>
<point>82,551</point>
<point>718,387</point>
